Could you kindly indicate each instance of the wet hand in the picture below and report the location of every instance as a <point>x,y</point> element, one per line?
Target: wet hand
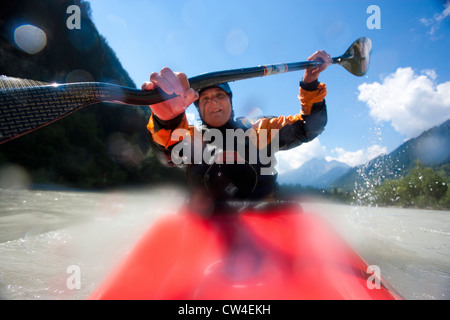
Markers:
<point>171,83</point>
<point>312,74</point>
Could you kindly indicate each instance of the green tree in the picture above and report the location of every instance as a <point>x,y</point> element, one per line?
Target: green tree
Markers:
<point>422,187</point>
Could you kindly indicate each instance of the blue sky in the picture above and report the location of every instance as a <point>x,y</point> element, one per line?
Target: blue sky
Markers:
<point>406,91</point>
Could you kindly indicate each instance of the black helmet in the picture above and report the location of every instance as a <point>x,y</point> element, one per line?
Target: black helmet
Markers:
<point>224,86</point>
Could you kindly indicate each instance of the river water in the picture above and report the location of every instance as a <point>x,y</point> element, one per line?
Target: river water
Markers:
<point>61,244</point>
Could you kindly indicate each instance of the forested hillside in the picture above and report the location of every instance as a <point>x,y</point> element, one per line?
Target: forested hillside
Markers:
<point>102,145</point>
<point>430,148</point>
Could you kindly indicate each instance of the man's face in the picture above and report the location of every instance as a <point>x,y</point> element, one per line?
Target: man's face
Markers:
<point>215,107</point>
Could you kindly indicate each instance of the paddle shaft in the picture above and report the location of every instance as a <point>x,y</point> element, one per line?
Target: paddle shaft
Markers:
<point>209,79</point>
<point>25,109</point>
<point>26,105</point>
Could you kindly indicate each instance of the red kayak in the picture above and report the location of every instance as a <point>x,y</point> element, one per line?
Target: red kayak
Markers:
<point>277,253</point>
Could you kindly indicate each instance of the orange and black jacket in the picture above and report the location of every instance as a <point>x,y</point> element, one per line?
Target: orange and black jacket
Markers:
<point>291,131</point>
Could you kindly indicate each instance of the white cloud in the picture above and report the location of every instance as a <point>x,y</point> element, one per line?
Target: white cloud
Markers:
<point>435,22</point>
<point>354,158</point>
<point>411,102</point>
<point>294,158</point>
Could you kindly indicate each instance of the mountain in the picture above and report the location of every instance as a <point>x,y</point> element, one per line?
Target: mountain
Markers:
<point>99,146</point>
<point>432,148</point>
<point>317,173</point>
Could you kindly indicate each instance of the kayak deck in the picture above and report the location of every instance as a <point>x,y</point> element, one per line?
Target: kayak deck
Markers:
<point>275,254</point>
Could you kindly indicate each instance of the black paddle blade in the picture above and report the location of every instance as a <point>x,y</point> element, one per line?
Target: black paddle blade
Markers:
<point>27,105</point>
<point>357,57</point>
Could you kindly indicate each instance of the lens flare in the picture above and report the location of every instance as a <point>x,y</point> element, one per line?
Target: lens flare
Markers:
<point>236,42</point>
<point>30,39</point>
<point>14,177</point>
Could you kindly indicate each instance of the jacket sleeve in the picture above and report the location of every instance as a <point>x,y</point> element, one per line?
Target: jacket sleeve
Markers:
<point>161,138</point>
<point>304,126</point>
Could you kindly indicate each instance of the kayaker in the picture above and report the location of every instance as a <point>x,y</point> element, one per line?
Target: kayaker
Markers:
<point>230,159</point>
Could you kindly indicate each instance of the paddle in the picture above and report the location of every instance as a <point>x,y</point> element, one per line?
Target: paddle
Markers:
<point>27,105</point>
